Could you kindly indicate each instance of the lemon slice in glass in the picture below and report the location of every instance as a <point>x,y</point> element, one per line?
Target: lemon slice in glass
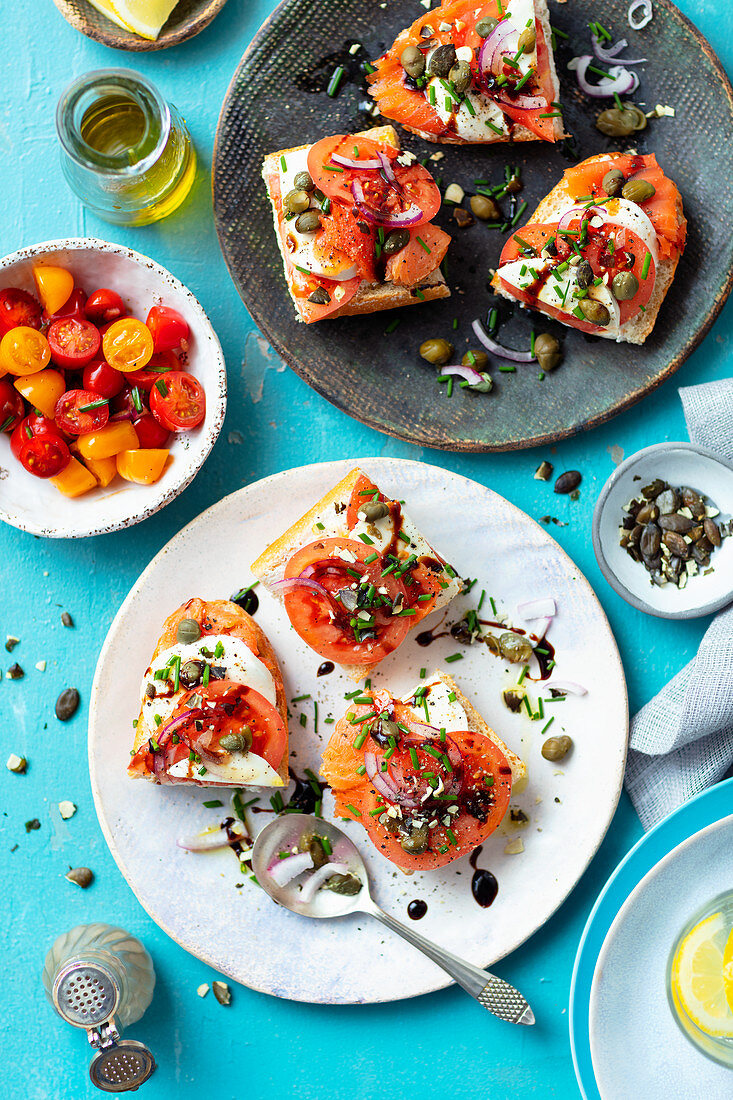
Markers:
<point>142,17</point>
<point>702,987</point>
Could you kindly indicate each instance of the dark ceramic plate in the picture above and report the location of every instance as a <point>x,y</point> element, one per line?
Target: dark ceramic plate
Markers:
<point>187,19</point>
<point>277,100</point>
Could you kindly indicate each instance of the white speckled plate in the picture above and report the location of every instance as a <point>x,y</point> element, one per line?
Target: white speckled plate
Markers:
<point>238,930</point>
<point>35,505</point>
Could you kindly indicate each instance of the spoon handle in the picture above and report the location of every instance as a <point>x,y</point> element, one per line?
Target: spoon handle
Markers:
<point>493,993</point>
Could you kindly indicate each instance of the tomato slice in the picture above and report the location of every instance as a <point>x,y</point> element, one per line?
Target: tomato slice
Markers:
<point>12,406</point>
<point>43,453</point>
<point>178,401</point>
<point>81,411</point>
<point>104,306</point>
<point>325,622</point>
<point>415,183</point>
<point>74,342</point>
<point>103,379</point>
<point>17,307</point>
<point>169,329</point>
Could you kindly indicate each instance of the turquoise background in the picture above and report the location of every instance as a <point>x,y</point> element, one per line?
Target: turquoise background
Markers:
<point>440,1045</point>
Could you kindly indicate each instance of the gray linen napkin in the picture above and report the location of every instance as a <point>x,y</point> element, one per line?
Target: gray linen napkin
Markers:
<point>682,741</point>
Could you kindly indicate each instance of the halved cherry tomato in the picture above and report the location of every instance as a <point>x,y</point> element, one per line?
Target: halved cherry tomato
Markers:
<point>168,327</point>
<point>42,390</point>
<point>415,182</point>
<point>75,479</point>
<point>54,285</point>
<point>43,453</point>
<point>324,622</point>
<point>24,350</point>
<point>74,342</point>
<point>73,307</point>
<point>161,363</point>
<point>79,412</point>
<point>142,466</point>
<point>17,307</point>
<point>178,401</point>
<point>149,431</point>
<point>104,306</point>
<point>110,440</point>
<point>103,379</point>
<point>127,345</point>
<point>12,408</point>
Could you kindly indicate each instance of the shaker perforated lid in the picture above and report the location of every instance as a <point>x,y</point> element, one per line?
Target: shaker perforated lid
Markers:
<point>85,994</point>
<point>123,1067</point>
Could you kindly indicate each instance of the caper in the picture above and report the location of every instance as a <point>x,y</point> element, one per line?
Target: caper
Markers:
<point>615,122</point>
<point>320,296</point>
<point>308,222</point>
<point>238,741</point>
<point>479,360</point>
<point>313,844</point>
<point>613,182</point>
<point>638,190</point>
<point>547,351</point>
<point>443,60</point>
<point>624,286</point>
<point>413,61</point>
<point>303,182</point>
<point>555,748</point>
<point>382,730</point>
<point>348,885</point>
<point>485,26</point>
<point>514,647</point>
<point>296,201</point>
<point>190,673</point>
<point>584,275</point>
<point>396,241</point>
<point>188,632</point>
<point>460,76</point>
<point>437,351</point>
<point>528,39</point>
<point>67,704</point>
<point>484,208</point>
<point>416,842</point>
<point>594,311</point>
<point>640,119</point>
<point>374,510</point>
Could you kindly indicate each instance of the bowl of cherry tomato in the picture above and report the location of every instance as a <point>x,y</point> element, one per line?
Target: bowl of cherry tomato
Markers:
<point>112,388</point>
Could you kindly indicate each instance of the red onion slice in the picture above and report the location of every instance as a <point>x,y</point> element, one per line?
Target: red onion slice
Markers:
<point>645,6</point>
<point>344,162</point>
<point>568,687</point>
<point>492,47</point>
<point>538,609</point>
<point>381,781</point>
<point>619,81</point>
<point>524,102</point>
<point>412,216</point>
<point>288,584</point>
<point>283,871</point>
<point>582,212</point>
<point>314,882</point>
<point>498,349</point>
<point>467,373</point>
<point>543,625</point>
<point>609,54</point>
<point>211,839</point>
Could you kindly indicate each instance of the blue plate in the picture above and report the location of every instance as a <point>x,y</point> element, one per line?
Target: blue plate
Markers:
<point>707,808</point>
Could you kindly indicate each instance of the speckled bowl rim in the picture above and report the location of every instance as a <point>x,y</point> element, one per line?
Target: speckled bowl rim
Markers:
<point>608,573</point>
<point>217,400</point>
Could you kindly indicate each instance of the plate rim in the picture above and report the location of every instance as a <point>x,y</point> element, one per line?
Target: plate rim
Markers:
<point>374,461</point>
<point>475,446</point>
<point>115,40</point>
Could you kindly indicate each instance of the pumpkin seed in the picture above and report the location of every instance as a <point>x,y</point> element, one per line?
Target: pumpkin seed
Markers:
<point>568,481</point>
<point>67,704</point>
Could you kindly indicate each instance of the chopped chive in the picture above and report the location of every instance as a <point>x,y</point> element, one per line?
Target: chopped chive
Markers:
<point>94,405</point>
<point>206,675</point>
<point>355,812</point>
<point>553,114</point>
<point>213,803</point>
<point>335,81</point>
<point>522,674</point>
<point>451,837</point>
<point>136,399</point>
<point>297,698</point>
<point>646,265</point>
<point>283,164</point>
<point>423,673</point>
<point>414,758</point>
<point>421,242</point>
<point>527,707</point>
<point>161,388</point>
<point>523,81</point>
<point>361,770</point>
<point>454,657</point>
<point>332,168</point>
<point>556,30</point>
<point>366,539</point>
<point>491,126</point>
<point>391,326</point>
<point>548,724</point>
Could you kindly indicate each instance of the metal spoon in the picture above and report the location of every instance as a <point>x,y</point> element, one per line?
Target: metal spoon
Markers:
<point>493,993</point>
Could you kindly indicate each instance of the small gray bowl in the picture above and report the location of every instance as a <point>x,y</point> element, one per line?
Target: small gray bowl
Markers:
<point>679,464</point>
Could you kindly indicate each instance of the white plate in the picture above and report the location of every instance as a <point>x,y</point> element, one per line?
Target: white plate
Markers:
<point>638,1050</point>
<point>239,931</point>
<point>35,505</point>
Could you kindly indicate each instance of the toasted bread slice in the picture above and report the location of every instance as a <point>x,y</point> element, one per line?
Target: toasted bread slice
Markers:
<point>330,511</point>
<point>370,297</point>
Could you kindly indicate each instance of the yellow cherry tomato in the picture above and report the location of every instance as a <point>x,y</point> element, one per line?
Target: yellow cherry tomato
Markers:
<point>108,441</point>
<point>74,480</point>
<point>127,345</point>
<point>42,390</point>
<point>24,351</point>
<point>54,285</point>
<point>104,469</point>
<point>142,466</point>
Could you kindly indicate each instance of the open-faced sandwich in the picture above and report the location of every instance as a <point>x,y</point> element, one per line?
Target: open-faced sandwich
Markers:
<point>213,708</point>
<point>470,73</point>
<point>601,250</point>
<point>353,217</point>
<point>425,775</point>
<point>356,575</point>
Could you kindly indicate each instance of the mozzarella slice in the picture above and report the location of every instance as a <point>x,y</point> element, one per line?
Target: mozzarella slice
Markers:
<point>445,713</point>
<point>240,770</point>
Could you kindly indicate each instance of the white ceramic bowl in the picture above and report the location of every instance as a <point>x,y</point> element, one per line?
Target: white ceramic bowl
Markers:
<point>33,504</point>
<point>679,464</point>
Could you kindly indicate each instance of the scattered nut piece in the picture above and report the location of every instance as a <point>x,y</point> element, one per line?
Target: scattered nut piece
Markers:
<point>11,642</point>
<point>16,763</point>
<point>15,672</point>
<point>222,992</point>
<point>67,809</point>
<point>80,876</point>
<point>514,846</point>
<point>454,193</point>
<point>66,618</point>
<point>462,217</point>
<point>437,156</point>
<point>32,825</point>
<point>41,666</point>
<point>203,989</point>
<point>544,471</point>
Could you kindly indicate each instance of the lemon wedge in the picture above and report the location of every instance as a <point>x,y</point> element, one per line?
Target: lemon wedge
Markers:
<point>702,976</point>
<point>142,17</point>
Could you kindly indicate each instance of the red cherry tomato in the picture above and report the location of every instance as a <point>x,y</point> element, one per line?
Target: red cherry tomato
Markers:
<point>43,453</point>
<point>178,401</point>
<point>73,307</point>
<point>81,411</point>
<point>104,306</point>
<point>168,327</point>
<point>17,307</point>
<point>103,379</point>
<point>12,407</point>
<point>149,432</point>
<point>74,342</point>
<point>161,363</point>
